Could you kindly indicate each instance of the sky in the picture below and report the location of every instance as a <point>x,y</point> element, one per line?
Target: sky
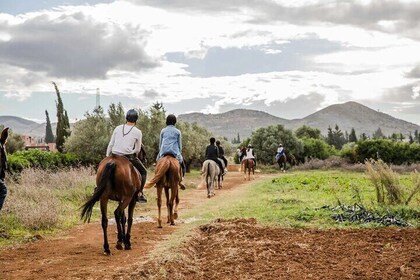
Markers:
<point>287,58</point>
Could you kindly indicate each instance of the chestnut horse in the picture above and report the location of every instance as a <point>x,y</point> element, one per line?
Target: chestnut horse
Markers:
<point>249,166</point>
<point>116,179</point>
<point>167,177</point>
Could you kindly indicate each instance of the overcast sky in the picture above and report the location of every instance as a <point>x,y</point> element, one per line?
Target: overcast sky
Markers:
<point>288,58</point>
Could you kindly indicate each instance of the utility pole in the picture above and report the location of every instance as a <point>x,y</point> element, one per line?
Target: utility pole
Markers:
<point>98,98</point>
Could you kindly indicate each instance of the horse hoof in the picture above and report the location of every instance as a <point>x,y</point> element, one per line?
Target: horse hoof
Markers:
<point>119,246</point>
<point>208,196</point>
<point>107,253</point>
<point>175,216</point>
<point>127,247</point>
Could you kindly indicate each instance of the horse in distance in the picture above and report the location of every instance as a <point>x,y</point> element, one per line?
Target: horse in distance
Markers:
<point>249,166</point>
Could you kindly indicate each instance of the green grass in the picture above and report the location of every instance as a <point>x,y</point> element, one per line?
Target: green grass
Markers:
<point>296,200</point>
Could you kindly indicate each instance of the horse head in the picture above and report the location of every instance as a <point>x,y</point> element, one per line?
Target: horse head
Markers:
<point>3,160</point>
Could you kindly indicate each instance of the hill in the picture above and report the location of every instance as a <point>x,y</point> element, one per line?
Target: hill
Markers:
<point>231,123</point>
<point>25,127</point>
<point>347,116</point>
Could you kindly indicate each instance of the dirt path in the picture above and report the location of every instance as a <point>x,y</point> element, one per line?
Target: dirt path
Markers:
<point>232,249</point>
<point>77,254</point>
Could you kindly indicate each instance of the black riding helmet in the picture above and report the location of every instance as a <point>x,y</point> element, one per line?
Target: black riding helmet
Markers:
<point>132,116</point>
<point>171,119</point>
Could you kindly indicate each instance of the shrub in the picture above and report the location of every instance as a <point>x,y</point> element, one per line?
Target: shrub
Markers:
<point>387,185</point>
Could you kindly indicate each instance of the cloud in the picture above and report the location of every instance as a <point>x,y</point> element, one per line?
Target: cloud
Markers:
<point>74,46</point>
<point>414,73</point>
<point>293,55</point>
<point>389,16</point>
<point>289,108</point>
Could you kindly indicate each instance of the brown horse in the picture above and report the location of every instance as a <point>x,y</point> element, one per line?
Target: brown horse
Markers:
<point>281,161</point>
<point>249,165</point>
<point>116,179</point>
<point>167,177</point>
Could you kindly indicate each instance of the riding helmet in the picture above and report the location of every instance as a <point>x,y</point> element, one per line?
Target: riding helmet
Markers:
<point>171,119</point>
<point>132,116</point>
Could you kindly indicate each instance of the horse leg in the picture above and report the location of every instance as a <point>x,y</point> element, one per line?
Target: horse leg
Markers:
<point>176,206</point>
<point>168,206</point>
<point>118,214</point>
<point>131,206</point>
<point>159,204</point>
<point>208,183</point>
<point>174,194</point>
<point>104,224</point>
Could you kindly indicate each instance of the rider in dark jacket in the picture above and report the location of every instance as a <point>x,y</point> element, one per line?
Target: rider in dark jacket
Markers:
<point>212,152</point>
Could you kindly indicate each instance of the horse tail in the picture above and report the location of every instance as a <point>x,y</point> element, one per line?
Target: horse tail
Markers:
<point>161,167</point>
<point>88,206</point>
<point>208,174</point>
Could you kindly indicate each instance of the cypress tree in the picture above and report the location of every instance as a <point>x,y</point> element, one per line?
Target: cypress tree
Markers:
<point>63,127</point>
<point>49,136</point>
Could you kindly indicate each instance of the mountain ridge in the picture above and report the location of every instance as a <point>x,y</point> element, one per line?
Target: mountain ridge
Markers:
<point>244,121</point>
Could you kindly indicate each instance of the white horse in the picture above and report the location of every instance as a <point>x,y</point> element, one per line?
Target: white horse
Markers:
<point>211,173</point>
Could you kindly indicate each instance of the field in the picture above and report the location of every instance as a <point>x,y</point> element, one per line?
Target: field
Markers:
<point>278,226</point>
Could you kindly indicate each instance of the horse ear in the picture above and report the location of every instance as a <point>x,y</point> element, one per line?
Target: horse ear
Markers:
<point>4,135</point>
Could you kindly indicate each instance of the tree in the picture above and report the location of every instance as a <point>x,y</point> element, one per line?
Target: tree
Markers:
<point>49,136</point>
<point>335,137</point>
<point>194,142</point>
<point>15,142</point>
<point>308,132</point>
<point>90,137</point>
<point>352,136</point>
<point>378,134</point>
<point>116,115</point>
<point>266,140</point>
<point>63,125</point>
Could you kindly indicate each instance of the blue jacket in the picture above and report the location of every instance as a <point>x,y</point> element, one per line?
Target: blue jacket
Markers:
<point>170,142</point>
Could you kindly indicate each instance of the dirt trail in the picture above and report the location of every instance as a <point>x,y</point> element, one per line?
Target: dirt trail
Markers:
<point>232,249</point>
<point>77,254</point>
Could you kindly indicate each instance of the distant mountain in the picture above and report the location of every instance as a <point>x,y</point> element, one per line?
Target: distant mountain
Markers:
<point>347,116</point>
<point>231,123</point>
<point>25,127</point>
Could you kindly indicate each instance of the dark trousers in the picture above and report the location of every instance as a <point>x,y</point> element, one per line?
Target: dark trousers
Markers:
<point>224,160</point>
<point>140,167</point>
<point>3,192</point>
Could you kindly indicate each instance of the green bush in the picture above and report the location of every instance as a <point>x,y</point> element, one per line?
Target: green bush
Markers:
<point>389,151</point>
<point>41,159</point>
<point>317,148</point>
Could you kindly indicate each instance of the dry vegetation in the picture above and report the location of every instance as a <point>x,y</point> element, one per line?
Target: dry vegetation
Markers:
<point>40,199</point>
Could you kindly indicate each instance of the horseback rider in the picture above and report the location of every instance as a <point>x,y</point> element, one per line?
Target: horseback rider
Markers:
<point>280,152</point>
<point>170,143</point>
<point>212,152</point>
<point>250,154</point>
<point>222,154</point>
<point>126,140</point>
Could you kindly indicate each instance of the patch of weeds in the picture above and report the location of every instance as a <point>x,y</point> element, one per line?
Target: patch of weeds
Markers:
<point>304,216</point>
<point>286,200</point>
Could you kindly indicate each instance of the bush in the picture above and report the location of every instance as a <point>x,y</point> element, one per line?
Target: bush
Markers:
<point>41,159</point>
